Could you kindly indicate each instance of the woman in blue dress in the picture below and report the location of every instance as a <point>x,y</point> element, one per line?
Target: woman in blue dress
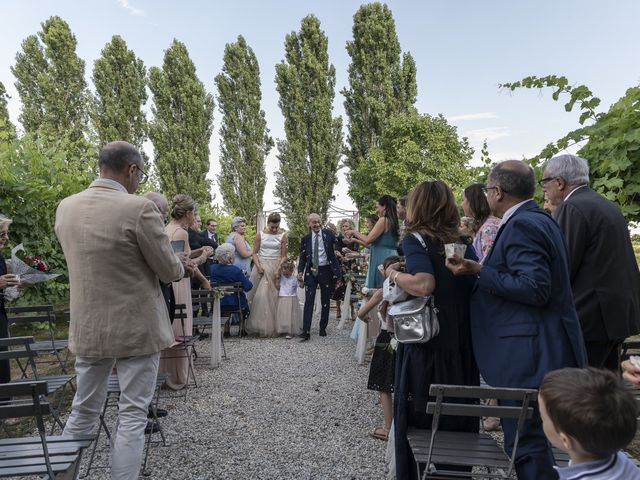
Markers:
<point>447,358</point>
<point>382,239</point>
<point>243,249</point>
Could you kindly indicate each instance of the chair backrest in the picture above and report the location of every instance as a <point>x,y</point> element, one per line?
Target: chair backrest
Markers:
<point>630,347</point>
<point>19,407</point>
<point>440,407</point>
<point>233,288</point>
<point>19,353</point>
<point>32,406</point>
<point>31,314</point>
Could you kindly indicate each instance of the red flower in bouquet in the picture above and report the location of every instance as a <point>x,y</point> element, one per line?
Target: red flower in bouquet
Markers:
<point>36,262</point>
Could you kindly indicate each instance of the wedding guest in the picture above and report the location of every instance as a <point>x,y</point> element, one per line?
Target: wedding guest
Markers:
<point>176,363</point>
<point>447,358</point>
<point>197,243</point>
<point>605,279</point>
<point>382,239</point>
<point>243,249</point>
<point>343,248</point>
<point>402,215</point>
<point>524,323</point>
<point>382,369</point>
<point>589,414</point>
<point>226,272</point>
<point>475,205</point>
<point>115,256</point>
<point>289,315</point>
<point>6,280</point>
<point>212,230</point>
<point>269,251</point>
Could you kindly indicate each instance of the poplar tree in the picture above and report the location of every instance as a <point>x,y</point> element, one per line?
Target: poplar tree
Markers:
<point>245,140</point>
<point>380,86</point>
<point>50,81</point>
<point>310,153</point>
<point>181,126</point>
<point>7,130</point>
<point>120,81</point>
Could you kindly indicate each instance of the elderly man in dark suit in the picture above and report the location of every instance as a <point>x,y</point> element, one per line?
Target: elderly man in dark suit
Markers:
<point>604,273</point>
<point>523,321</point>
<point>317,266</point>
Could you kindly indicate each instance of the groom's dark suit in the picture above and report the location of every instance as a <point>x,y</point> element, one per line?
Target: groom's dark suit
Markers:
<point>325,277</point>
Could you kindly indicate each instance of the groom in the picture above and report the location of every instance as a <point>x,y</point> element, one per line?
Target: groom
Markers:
<point>317,265</point>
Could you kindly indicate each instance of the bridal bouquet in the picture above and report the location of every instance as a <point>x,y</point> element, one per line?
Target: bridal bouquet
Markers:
<point>29,268</point>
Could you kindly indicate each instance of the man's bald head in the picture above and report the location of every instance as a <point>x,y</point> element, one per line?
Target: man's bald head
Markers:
<point>515,178</point>
<point>160,201</point>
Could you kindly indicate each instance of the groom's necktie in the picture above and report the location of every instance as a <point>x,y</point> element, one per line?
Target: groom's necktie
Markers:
<point>316,255</point>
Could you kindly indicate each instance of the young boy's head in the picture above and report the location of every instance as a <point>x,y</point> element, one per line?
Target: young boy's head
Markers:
<point>587,412</point>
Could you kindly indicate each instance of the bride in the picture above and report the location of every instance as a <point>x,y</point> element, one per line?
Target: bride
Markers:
<point>269,250</point>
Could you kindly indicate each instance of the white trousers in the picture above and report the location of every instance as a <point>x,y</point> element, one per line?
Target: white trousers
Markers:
<point>137,378</point>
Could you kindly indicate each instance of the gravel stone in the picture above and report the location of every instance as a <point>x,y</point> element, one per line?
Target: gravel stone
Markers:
<point>275,409</point>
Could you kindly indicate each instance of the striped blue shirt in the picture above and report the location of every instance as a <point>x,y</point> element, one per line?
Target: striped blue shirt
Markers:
<point>617,467</point>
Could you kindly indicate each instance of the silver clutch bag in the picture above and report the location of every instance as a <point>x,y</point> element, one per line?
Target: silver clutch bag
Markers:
<point>415,320</point>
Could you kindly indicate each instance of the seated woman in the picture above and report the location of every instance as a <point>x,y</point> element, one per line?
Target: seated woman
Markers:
<point>225,272</point>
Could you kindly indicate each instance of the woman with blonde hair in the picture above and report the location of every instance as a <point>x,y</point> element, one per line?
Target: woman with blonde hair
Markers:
<point>172,362</point>
<point>269,251</point>
<point>432,219</point>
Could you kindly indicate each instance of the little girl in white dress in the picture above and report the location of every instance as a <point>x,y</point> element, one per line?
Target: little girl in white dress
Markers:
<point>289,314</point>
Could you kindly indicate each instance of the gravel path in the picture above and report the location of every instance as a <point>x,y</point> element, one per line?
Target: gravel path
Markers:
<point>275,409</point>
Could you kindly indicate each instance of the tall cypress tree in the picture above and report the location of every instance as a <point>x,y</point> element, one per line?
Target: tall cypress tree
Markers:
<point>310,153</point>
<point>52,88</point>
<point>7,130</point>
<point>120,81</point>
<point>182,126</point>
<point>380,85</point>
<point>245,140</point>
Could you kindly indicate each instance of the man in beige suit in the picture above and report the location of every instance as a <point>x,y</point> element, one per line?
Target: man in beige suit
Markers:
<point>116,251</point>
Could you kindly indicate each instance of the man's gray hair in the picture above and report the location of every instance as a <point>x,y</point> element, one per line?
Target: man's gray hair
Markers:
<point>236,222</point>
<point>573,169</point>
<point>226,253</point>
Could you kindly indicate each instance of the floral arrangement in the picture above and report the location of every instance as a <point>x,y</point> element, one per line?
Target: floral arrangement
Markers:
<point>30,268</point>
<point>35,262</point>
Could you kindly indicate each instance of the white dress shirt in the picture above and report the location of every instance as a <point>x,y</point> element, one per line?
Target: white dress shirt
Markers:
<point>507,215</point>
<point>322,254</point>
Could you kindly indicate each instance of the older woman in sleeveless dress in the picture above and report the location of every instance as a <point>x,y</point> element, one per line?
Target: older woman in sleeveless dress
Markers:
<point>269,250</point>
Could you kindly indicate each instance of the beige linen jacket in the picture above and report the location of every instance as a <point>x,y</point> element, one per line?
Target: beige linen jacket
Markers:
<point>116,250</point>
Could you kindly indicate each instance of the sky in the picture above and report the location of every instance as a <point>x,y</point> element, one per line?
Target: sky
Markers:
<point>463,51</point>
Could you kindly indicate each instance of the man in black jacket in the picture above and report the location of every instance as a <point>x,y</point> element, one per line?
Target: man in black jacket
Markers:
<point>604,274</point>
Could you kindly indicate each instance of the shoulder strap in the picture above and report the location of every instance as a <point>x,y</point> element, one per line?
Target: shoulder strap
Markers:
<point>420,239</point>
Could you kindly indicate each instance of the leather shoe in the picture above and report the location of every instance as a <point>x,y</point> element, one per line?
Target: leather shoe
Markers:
<point>323,333</point>
<point>151,428</point>
<point>304,337</point>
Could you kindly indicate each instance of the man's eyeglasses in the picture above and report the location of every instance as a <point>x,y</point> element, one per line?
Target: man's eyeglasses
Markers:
<point>142,176</point>
<point>546,180</point>
<point>486,189</point>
